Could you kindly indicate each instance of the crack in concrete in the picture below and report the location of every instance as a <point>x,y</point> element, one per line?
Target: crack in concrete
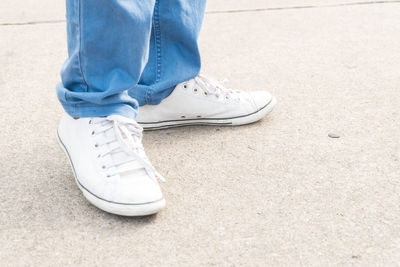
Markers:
<point>33,22</point>
<point>303,7</point>
<point>231,11</point>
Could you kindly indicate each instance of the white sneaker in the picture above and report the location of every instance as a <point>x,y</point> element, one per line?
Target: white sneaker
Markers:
<point>201,101</point>
<point>110,165</point>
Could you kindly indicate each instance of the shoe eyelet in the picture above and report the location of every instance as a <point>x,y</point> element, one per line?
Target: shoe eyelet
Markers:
<point>96,145</point>
<point>92,132</point>
<point>98,156</point>
<point>195,90</point>
<point>205,93</point>
<point>103,167</point>
<point>90,121</point>
<point>185,86</point>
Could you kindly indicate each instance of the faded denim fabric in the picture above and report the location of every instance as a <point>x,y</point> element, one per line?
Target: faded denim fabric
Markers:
<point>126,53</point>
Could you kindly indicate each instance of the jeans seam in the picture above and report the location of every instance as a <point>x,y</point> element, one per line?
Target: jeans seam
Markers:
<point>149,95</point>
<point>85,85</point>
<point>72,106</point>
<point>157,35</point>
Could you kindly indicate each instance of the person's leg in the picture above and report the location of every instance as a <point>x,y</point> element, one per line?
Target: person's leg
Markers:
<point>174,53</point>
<point>171,91</point>
<point>108,43</point>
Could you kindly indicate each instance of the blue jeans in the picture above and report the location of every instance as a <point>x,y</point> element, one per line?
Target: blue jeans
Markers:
<point>126,53</point>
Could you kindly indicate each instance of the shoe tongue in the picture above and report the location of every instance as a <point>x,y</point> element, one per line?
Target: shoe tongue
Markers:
<point>109,134</point>
<point>131,168</point>
<point>120,155</point>
<point>212,85</point>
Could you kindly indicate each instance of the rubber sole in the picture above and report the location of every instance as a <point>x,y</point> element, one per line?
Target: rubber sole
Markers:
<point>235,121</point>
<point>124,209</point>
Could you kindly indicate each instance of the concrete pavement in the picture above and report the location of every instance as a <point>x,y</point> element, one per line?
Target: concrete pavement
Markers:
<point>279,192</point>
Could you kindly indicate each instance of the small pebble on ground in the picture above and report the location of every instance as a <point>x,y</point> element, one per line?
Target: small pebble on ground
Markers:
<point>333,135</point>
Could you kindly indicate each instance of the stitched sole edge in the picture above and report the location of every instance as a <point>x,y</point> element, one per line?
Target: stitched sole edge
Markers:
<point>234,121</point>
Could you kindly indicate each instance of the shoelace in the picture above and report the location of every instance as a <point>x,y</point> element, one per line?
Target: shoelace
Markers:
<point>212,87</point>
<point>128,136</point>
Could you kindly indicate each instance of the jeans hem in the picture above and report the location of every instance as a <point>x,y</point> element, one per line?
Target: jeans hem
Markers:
<point>100,111</point>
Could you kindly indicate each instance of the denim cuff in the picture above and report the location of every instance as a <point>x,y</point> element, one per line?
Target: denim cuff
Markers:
<point>120,104</point>
<point>81,111</point>
<point>146,95</point>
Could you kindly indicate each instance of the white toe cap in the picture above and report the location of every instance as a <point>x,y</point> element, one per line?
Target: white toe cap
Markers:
<point>261,98</point>
<point>137,190</point>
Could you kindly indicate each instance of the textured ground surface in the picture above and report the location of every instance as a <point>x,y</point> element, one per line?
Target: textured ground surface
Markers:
<point>279,192</point>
